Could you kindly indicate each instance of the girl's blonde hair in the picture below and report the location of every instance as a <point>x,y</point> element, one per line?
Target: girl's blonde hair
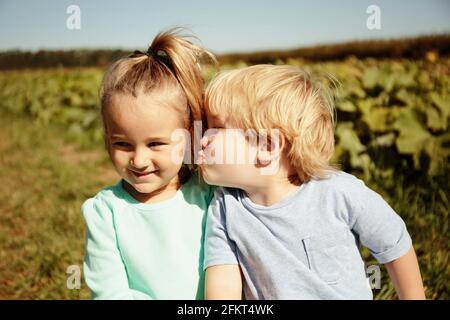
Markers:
<point>287,98</point>
<point>170,63</point>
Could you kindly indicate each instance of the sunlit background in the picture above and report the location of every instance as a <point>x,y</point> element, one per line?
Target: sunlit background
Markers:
<point>393,109</point>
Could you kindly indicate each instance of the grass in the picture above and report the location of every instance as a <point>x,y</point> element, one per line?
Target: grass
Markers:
<point>46,176</point>
<point>44,182</point>
<point>424,206</point>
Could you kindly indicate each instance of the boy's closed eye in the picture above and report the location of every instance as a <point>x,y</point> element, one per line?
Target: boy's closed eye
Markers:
<point>215,122</point>
<point>216,125</point>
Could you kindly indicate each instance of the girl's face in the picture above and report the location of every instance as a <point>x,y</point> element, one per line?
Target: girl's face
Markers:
<point>140,144</point>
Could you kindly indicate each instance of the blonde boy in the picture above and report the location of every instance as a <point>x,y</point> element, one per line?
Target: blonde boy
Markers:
<point>294,233</point>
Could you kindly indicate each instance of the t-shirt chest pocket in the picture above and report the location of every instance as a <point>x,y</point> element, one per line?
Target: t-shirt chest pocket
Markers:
<point>323,255</point>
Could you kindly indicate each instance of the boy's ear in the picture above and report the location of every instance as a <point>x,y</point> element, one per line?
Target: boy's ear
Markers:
<point>270,147</point>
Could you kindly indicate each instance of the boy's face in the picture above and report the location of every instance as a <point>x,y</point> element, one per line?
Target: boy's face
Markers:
<point>229,156</point>
<point>139,133</point>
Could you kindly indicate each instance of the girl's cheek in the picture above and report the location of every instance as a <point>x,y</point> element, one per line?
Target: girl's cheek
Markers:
<point>169,158</point>
<point>115,156</point>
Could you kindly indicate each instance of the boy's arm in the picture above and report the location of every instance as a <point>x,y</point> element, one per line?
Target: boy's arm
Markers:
<point>223,278</point>
<point>405,275</point>
<point>223,282</point>
<point>384,232</point>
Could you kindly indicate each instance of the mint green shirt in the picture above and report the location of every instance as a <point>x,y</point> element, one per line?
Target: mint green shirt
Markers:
<point>146,251</point>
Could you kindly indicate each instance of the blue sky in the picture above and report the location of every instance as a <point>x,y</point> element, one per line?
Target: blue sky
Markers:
<point>222,26</point>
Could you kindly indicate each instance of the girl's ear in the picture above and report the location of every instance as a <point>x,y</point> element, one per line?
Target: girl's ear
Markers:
<point>270,147</point>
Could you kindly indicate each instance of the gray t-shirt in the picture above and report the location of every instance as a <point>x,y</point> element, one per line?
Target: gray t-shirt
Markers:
<point>307,245</point>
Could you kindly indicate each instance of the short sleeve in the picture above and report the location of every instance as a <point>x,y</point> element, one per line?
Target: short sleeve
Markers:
<point>378,226</point>
<point>104,269</point>
<point>219,248</point>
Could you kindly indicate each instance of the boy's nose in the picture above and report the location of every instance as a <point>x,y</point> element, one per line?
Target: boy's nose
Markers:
<point>205,141</point>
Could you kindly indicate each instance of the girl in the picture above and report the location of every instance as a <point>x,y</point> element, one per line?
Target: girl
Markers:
<point>145,234</point>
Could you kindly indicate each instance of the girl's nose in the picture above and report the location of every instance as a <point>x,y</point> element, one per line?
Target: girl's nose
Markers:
<point>140,160</point>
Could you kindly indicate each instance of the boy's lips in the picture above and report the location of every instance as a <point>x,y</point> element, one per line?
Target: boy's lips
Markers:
<point>201,159</point>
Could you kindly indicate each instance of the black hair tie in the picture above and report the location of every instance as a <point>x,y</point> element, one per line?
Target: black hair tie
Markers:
<point>151,53</point>
<point>148,53</point>
<point>160,55</point>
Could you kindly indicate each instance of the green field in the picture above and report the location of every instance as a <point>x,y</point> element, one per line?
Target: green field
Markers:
<point>392,131</point>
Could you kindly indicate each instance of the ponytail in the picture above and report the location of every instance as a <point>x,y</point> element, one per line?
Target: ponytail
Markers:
<point>182,58</point>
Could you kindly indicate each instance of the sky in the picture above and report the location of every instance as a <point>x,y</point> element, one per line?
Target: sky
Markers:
<point>221,26</point>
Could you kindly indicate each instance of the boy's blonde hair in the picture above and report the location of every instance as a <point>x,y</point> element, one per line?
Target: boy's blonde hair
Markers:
<point>287,98</point>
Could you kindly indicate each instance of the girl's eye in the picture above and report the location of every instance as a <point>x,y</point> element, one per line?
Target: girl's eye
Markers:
<point>156,144</point>
<point>121,144</point>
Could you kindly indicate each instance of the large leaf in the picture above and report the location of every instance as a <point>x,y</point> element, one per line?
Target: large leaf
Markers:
<point>349,142</point>
<point>437,150</point>
<point>413,136</point>
<point>439,112</point>
<point>412,133</point>
<point>370,78</point>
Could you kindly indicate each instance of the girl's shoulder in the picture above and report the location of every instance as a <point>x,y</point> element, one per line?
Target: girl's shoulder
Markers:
<point>104,197</point>
<point>109,193</point>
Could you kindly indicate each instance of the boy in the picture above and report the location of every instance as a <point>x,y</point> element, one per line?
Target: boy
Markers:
<point>286,224</point>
